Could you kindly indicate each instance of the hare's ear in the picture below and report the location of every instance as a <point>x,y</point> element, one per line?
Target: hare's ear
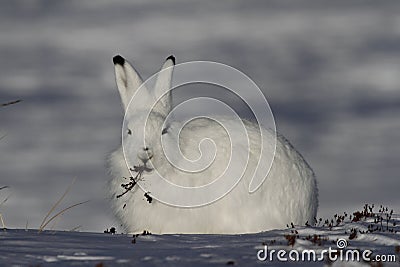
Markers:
<point>163,86</point>
<point>127,78</point>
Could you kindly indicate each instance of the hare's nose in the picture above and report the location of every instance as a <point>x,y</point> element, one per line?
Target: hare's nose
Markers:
<point>145,154</point>
<point>148,150</point>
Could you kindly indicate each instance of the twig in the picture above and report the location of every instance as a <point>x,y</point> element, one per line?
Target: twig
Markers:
<point>128,187</point>
<point>133,180</point>
<point>11,103</point>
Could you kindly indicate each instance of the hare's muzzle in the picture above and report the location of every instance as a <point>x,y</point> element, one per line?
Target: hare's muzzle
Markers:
<point>145,155</point>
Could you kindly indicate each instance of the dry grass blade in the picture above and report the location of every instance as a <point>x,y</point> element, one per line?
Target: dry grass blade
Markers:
<point>60,213</point>
<point>55,221</point>
<point>4,200</point>
<point>57,203</point>
<point>4,187</point>
<point>2,222</point>
<point>75,228</point>
<point>11,103</point>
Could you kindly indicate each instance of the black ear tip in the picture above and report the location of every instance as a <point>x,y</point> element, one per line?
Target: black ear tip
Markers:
<point>118,60</point>
<point>172,58</point>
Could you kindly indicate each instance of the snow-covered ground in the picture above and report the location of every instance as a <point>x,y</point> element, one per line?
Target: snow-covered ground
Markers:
<point>63,248</point>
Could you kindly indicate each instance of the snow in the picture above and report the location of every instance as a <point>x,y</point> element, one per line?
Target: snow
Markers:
<point>64,248</point>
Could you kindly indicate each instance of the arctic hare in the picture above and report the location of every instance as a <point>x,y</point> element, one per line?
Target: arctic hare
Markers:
<point>288,195</point>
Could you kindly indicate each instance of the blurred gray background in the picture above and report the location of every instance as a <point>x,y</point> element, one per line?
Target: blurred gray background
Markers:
<point>329,69</point>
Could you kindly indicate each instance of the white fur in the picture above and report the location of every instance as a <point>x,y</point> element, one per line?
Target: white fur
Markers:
<point>288,195</point>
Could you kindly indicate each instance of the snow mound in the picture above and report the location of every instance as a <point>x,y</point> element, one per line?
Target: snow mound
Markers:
<point>378,232</point>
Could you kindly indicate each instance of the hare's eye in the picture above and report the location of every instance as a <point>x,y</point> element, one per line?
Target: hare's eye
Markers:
<point>146,148</point>
<point>129,131</point>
